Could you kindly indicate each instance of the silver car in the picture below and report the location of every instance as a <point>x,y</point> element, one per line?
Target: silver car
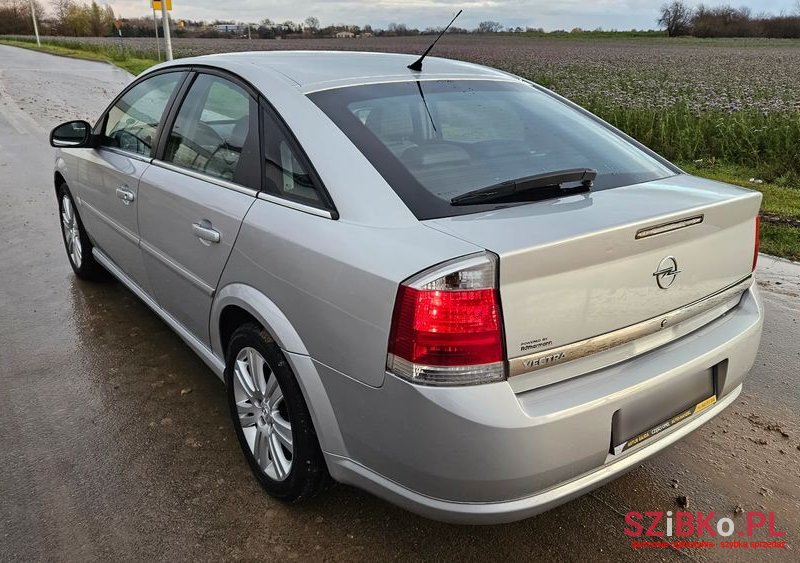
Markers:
<point>448,286</point>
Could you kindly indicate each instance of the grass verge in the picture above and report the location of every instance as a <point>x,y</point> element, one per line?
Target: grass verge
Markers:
<point>780,240</point>
<point>779,198</point>
<point>131,61</point>
<point>780,208</point>
<point>765,142</point>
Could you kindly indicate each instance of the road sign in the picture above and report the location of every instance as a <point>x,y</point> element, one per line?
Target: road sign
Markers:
<point>157,5</point>
<point>165,22</point>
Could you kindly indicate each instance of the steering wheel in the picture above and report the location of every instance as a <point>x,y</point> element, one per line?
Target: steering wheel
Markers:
<point>207,135</point>
<point>204,135</point>
<point>226,165</point>
<point>129,141</point>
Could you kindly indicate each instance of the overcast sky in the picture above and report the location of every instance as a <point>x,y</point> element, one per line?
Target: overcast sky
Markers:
<point>556,14</point>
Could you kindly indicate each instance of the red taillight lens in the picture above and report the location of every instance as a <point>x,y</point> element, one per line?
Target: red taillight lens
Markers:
<point>758,242</point>
<point>447,325</point>
<point>447,328</point>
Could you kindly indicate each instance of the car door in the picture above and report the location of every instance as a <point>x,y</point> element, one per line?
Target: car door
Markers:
<point>192,200</point>
<point>109,175</point>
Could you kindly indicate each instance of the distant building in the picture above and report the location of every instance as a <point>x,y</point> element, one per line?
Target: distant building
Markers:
<point>345,35</point>
<point>231,28</point>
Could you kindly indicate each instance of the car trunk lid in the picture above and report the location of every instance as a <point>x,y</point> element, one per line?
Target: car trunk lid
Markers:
<point>581,266</point>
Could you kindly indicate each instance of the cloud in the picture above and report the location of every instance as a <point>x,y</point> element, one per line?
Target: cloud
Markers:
<point>560,14</point>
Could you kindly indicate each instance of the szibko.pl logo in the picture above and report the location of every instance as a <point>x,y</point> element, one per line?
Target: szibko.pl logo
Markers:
<point>658,529</point>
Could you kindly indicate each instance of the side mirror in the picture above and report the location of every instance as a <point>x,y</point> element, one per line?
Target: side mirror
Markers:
<point>72,134</point>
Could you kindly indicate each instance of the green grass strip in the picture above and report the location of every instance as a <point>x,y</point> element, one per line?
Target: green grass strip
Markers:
<point>132,62</point>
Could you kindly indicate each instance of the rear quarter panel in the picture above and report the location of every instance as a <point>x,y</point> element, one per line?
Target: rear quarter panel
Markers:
<point>335,281</point>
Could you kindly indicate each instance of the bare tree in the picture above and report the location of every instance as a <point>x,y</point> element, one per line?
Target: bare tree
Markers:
<point>489,27</point>
<point>397,28</point>
<point>61,12</point>
<point>15,16</point>
<point>676,18</point>
<point>96,24</point>
<point>311,23</point>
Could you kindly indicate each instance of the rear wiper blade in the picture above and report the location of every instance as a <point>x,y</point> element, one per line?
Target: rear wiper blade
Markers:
<point>548,180</point>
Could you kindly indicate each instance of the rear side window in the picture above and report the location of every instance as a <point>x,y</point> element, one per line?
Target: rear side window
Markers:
<point>288,174</point>
<point>216,132</point>
<point>434,140</point>
<point>132,122</point>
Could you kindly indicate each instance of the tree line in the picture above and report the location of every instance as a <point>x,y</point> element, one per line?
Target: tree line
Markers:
<point>67,17</point>
<point>81,18</point>
<point>78,18</point>
<point>678,18</point>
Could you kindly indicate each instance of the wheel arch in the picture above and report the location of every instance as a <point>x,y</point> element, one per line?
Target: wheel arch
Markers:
<point>60,172</point>
<point>58,179</point>
<point>238,303</point>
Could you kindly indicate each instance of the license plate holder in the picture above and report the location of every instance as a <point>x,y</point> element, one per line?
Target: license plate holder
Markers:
<point>646,418</point>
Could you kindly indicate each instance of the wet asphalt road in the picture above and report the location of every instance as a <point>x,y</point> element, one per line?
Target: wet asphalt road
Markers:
<point>115,441</point>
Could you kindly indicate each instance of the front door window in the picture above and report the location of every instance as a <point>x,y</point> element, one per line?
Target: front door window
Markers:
<point>132,122</point>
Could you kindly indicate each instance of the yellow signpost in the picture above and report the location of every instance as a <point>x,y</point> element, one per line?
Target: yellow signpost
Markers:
<point>163,7</point>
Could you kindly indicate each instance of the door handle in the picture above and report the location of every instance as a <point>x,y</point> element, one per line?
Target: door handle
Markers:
<point>205,233</point>
<point>125,194</point>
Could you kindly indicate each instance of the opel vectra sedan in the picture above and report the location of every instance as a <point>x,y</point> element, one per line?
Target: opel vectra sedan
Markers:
<point>449,287</point>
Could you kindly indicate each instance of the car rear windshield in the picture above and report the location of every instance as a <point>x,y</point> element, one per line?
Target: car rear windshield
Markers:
<point>436,139</point>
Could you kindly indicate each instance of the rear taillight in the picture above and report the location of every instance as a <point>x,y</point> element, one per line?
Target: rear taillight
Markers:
<point>447,325</point>
<point>758,242</point>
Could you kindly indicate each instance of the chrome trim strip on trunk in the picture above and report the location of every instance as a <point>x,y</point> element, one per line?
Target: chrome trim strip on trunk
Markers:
<point>669,227</point>
<point>554,356</point>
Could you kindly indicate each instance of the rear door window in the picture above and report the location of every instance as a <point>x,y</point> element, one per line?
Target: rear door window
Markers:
<point>216,132</point>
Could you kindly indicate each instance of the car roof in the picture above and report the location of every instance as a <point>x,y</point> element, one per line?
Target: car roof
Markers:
<point>318,70</point>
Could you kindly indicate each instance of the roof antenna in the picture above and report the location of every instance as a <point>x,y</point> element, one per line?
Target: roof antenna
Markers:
<point>419,87</point>
<point>417,65</point>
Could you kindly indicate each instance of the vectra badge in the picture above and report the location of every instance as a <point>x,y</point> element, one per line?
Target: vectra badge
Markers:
<point>544,360</point>
<point>667,272</point>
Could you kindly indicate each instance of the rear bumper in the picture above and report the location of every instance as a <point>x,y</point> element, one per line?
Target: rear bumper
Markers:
<point>508,511</point>
<point>484,454</point>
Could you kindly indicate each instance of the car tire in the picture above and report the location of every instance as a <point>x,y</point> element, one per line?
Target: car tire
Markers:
<point>266,404</point>
<point>76,241</point>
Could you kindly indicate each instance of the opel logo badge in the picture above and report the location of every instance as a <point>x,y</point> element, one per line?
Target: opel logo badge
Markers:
<point>667,272</point>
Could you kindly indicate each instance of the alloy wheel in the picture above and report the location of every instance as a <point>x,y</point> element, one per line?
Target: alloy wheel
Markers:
<point>72,235</point>
<point>262,414</point>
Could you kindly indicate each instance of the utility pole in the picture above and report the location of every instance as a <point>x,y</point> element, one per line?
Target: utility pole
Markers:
<point>167,38</point>
<point>35,25</point>
<point>155,26</point>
